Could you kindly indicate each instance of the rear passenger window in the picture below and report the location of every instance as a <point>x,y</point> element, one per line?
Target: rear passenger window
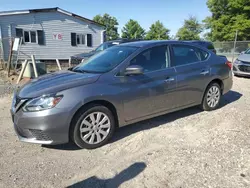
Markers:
<point>187,54</point>
<point>204,55</point>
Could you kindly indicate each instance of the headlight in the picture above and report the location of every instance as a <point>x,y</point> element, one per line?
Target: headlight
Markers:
<point>237,61</point>
<point>41,103</point>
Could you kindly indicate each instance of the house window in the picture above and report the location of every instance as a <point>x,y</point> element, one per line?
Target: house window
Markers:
<point>30,36</point>
<point>33,36</point>
<point>80,39</point>
<point>26,36</point>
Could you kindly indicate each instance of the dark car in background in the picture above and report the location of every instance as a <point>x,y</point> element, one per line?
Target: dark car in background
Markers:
<point>78,58</point>
<point>206,44</point>
<point>122,85</point>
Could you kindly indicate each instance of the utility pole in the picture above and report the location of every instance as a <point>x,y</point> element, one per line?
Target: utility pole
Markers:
<point>235,41</point>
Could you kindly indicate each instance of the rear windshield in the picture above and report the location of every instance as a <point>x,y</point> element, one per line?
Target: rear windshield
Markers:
<point>207,45</point>
<point>210,46</point>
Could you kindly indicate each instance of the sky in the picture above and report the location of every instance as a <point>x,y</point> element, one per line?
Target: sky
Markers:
<point>171,13</point>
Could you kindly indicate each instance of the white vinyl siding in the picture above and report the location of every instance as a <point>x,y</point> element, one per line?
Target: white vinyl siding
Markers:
<point>52,23</point>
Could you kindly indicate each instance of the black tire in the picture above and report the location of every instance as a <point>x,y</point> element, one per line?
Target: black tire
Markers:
<point>75,126</point>
<point>204,105</point>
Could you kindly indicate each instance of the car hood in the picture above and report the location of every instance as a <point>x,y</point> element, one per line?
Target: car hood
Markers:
<point>55,82</point>
<point>244,57</point>
<point>85,55</point>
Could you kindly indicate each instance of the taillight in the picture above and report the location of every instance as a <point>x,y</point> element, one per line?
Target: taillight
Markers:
<point>229,64</point>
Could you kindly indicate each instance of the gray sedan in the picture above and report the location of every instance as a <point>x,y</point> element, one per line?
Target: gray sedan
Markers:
<point>241,65</point>
<point>116,87</point>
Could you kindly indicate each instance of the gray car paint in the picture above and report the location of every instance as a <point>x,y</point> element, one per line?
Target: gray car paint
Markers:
<point>134,98</point>
<point>244,57</point>
<point>245,60</point>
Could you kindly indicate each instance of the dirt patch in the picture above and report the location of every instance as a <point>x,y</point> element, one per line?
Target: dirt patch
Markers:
<point>189,148</point>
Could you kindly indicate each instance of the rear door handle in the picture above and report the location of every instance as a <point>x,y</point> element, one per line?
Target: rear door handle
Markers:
<point>169,79</point>
<point>204,72</point>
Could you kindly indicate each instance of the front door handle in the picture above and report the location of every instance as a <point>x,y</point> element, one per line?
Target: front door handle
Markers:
<point>204,72</point>
<point>169,79</point>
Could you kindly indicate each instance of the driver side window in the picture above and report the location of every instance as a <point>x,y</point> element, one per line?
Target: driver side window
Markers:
<point>153,59</point>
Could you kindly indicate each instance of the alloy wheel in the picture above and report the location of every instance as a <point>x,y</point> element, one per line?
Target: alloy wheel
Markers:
<point>213,96</point>
<point>95,127</point>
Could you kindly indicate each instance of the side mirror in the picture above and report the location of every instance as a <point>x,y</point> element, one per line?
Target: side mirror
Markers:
<point>133,70</point>
<point>242,52</point>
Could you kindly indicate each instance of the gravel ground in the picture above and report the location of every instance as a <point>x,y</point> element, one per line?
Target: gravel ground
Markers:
<point>6,86</point>
<point>189,148</point>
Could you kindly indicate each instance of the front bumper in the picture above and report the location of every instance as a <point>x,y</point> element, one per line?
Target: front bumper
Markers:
<point>47,127</point>
<point>242,69</point>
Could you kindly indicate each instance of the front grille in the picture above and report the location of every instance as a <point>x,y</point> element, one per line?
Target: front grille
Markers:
<point>18,100</point>
<point>39,135</point>
<point>244,68</point>
<point>18,103</point>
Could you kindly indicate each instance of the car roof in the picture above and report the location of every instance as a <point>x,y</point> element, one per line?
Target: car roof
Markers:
<point>201,42</point>
<point>122,40</point>
<point>146,43</point>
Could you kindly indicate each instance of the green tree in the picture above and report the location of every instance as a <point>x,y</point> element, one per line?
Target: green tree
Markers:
<point>157,31</point>
<point>227,17</point>
<point>191,30</point>
<point>110,24</point>
<point>133,30</point>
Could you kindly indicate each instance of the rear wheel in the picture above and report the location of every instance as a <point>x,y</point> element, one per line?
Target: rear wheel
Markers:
<point>93,127</point>
<point>212,97</point>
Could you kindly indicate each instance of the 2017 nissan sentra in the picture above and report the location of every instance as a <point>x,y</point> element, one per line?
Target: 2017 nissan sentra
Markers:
<point>116,87</point>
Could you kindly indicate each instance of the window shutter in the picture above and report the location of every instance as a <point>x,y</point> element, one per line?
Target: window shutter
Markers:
<point>40,34</point>
<point>104,36</point>
<point>73,39</point>
<point>19,34</point>
<point>89,40</point>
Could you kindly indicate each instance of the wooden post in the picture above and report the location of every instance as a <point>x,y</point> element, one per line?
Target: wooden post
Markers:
<point>58,64</point>
<point>34,65</point>
<point>1,50</point>
<point>22,71</point>
<point>10,56</point>
<point>69,62</point>
<point>235,41</point>
<point>2,63</point>
<point>18,51</point>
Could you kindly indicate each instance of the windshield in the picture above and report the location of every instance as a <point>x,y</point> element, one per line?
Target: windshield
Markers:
<point>104,46</point>
<point>100,48</point>
<point>105,60</point>
<point>247,51</point>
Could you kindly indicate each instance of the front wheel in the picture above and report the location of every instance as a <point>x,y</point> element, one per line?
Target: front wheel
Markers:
<point>93,127</point>
<point>212,97</point>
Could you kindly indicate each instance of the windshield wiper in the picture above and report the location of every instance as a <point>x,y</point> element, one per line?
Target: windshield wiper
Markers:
<point>84,71</point>
<point>77,70</point>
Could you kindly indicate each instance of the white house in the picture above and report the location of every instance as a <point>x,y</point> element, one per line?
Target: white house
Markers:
<point>50,33</point>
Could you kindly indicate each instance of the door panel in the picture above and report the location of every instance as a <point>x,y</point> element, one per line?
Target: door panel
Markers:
<point>193,71</point>
<point>190,82</point>
<point>149,93</point>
